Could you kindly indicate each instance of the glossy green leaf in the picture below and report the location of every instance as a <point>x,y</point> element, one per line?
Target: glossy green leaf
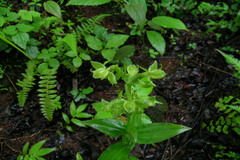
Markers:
<point>118,151</point>
<point>116,40</point>
<point>53,8</point>
<point>73,109</point>
<point>108,54</point>
<point>84,115</point>
<point>103,115</point>
<point>93,42</point>
<point>169,22</point>
<point>123,52</point>
<point>81,108</point>
<point>111,127</point>
<point>88,2</point>
<point>36,147</point>
<point>66,118</point>
<point>2,21</point>
<point>78,122</point>
<point>157,41</point>
<point>71,41</point>
<point>159,132</point>
<point>78,157</point>
<point>85,56</point>
<point>12,16</point>
<point>69,128</point>
<point>97,65</point>
<point>137,11</point>
<point>101,73</point>
<point>77,62</point>
<point>71,54</point>
<point>21,39</point>
<point>44,151</point>
<point>112,78</point>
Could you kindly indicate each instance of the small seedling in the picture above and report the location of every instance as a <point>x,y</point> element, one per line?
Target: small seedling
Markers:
<point>35,152</point>
<point>81,93</point>
<point>75,112</point>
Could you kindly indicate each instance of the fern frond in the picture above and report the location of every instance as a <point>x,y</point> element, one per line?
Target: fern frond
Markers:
<point>233,61</point>
<point>49,100</point>
<point>69,65</point>
<point>27,82</point>
<point>88,25</point>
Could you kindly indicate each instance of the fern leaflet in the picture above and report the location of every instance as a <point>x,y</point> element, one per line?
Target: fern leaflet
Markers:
<point>27,82</point>
<point>49,100</point>
<point>88,25</point>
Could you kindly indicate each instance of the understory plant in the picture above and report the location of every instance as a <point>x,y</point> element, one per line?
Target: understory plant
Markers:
<point>124,116</point>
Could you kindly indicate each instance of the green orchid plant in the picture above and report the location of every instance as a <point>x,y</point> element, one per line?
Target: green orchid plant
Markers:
<point>124,116</point>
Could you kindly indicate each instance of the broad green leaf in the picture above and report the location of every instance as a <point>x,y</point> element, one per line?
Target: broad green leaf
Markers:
<point>157,41</point>
<point>81,108</point>
<point>93,42</point>
<point>101,73</point>
<point>84,115</point>
<point>65,118</point>
<point>132,70</point>
<point>125,51</point>
<point>44,151</point>
<point>32,51</point>
<point>112,78</point>
<point>54,63</point>
<point>25,148</point>
<point>71,54</point>
<point>137,11</point>
<point>159,132</point>
<point>97,65</point>
<point>10,30</point>
<point>169,22</point>
<point>118,151</point>
<point>85,56</point>
<point>53,8</point>
<point>78,122</point>
<point>78,157</point>
<point>103,115</point>
<point>87,2</point>
<point>77,62</point>
<point>25,15</point>
<point>2,21</point>
<point>100,32</point>
<point>12,16</point>
<point>21,39</point>
<point>108,54</point>
<point>36,147</point>
<point>24,27</point>
<point>87,90</point>
<point>73,109</point>
<point>4,10</point>
<point>111,127</point>
<point>71,41</point>
<point>116,40</point>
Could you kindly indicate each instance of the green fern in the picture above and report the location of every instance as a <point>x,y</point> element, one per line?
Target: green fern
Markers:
<point>27,82</point>
<point>69,65</point>
<point>49,100</point>
<point>87,25</point>
<point>232,60</point>
<point>88,2</point>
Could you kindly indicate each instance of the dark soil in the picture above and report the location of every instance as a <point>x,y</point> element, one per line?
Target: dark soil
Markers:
<point>196,79</point>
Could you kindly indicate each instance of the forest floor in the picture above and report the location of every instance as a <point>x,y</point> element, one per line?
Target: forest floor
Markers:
<point>197,78</point>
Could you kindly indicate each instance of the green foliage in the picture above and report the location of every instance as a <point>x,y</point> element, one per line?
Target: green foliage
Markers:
<point>35,152</point>
<point>27,83</point>
<point>53,8</point>
<point>135,131</point>
<point>229,106</point>
<point>232,60</point>
<point>88,3</point>
<point>81,93</point>
<point>76,114</point>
